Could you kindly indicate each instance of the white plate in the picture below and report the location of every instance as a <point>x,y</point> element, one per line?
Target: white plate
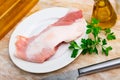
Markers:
<point>32,25</point>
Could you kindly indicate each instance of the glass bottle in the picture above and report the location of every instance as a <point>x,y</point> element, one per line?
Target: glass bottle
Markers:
<point>118,6</point>
<point>104,12</point>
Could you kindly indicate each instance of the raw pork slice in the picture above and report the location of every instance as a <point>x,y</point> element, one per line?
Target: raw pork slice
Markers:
<point>44,45</point>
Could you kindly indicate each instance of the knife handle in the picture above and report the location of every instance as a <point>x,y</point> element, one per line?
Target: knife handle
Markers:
<point>110,64</point>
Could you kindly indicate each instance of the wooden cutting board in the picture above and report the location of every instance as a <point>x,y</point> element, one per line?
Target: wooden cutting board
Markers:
<point>11,12</point>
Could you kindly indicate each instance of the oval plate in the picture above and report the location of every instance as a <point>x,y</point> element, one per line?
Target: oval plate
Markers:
<point>32,25</point>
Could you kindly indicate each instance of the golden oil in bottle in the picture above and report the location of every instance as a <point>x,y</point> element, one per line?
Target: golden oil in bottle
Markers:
<point>104,12</point>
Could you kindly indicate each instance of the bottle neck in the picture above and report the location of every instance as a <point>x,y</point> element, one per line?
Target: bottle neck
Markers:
<point>101,2</point>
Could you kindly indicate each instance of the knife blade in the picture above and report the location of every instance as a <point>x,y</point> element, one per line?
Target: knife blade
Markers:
<point>74,74</point>
<point>70,75</point>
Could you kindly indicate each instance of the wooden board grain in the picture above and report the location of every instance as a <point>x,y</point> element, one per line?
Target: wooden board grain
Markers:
<point>11,12</point>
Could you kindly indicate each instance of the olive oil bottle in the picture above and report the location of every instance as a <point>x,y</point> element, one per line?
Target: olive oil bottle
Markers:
<point>104,12</point>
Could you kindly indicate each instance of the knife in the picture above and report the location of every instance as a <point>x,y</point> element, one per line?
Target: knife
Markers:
<point>74,74</point>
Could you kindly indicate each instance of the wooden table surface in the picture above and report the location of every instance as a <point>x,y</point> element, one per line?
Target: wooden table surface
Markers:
<point>8,71</point>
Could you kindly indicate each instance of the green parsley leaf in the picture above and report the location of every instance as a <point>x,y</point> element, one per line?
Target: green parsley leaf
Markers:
<point>107,30</point>
<point>88,31</point>
<point>73,45</point>
<point>95,21</point>
<point>89,26</point>
<point>106,51</point>
<point>103,50</point>
<point>109,48</point>
<point>95,50</point>
<point>84,51</point>
<point>96,31</point>
<point>74,53</point>
<point>99,39</point>
<point>111,36</point>
<point>104,42</point>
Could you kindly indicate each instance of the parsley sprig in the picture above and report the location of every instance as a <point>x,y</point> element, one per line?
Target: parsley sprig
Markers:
<point>90,45</point>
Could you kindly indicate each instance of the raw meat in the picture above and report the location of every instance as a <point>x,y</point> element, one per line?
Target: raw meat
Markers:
<point>41,47</point>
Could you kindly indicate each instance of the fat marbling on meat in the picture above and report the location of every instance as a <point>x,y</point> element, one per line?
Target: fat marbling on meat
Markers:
<point>41,47</point>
